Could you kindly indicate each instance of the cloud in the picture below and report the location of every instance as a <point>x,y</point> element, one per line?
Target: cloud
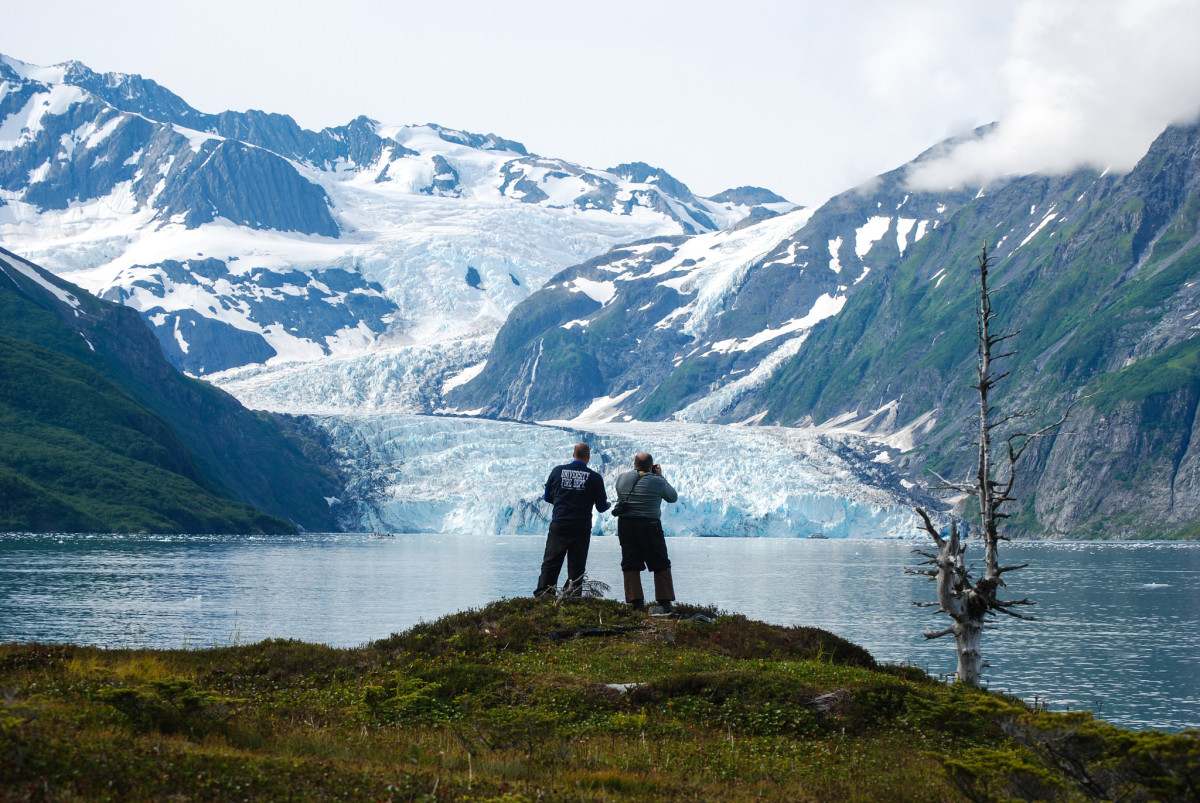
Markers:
<point>1085,83</point>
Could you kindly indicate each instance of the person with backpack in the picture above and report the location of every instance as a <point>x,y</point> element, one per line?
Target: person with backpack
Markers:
<point>640,494</point>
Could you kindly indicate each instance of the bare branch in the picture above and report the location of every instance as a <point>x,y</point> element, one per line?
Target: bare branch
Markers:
<point>948,485</point>
<point>1010,417</point>
<point>1001,338</point>
<point>930,635</point>
<point>1016,615</point>
<point>1004,569</point>
<point>927,524</point>
<point>1041,433</point>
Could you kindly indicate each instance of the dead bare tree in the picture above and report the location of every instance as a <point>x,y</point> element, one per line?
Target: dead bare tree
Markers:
<point>967,598</point>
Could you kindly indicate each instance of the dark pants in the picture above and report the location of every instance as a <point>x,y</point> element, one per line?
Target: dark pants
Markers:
<point>642,544</point>
<point>564,542</point>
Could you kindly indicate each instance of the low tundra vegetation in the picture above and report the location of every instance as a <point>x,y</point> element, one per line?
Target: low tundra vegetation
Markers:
<point>528,700</point>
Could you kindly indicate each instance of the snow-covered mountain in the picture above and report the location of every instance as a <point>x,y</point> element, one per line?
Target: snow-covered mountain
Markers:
<point>690,327</point>
<point>244,239</point>
<point>368,271</point>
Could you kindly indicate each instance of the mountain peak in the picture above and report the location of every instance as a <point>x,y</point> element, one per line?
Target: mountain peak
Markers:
<point>17,70</point>
<point>748,196</point>
<point>133,93</point>
<point>483,142</point>
<point>642,173</point>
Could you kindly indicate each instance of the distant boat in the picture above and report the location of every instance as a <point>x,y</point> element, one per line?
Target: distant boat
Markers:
<point>817,535</point>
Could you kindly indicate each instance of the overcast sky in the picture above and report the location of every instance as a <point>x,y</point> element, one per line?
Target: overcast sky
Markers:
<point>805,98</point>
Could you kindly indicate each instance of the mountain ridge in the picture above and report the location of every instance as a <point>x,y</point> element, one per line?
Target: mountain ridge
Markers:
<point>101,433</point>
<point>106,178</point>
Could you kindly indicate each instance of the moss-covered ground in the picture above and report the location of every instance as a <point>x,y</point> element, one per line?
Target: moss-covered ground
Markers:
<point>542,700</point>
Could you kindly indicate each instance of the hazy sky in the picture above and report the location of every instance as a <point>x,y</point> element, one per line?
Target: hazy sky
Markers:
<point>806,98</point>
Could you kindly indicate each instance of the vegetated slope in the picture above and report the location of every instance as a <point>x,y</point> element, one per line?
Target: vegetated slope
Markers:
<point>1098,275</point>
<point>691,327</point>
<point>243,238</point>
<point>101,433</point>
<point>531,700</point>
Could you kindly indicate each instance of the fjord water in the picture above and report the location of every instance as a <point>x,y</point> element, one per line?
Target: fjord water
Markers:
<point>1118,628</point>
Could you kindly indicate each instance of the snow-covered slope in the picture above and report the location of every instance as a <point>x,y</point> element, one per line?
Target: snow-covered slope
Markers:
<point>690,328</point>
<point>244,239</point>
<point>432,474</point>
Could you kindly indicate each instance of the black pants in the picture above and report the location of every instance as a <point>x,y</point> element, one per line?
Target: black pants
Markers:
<point>642,544</point>
<point>564,542</point>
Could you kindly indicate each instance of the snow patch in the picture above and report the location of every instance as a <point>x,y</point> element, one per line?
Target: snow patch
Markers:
<point>719,401</point>
<point>904,225</point>
<point>603,409</point>
<point>824,307</point>
<point>1041,225</point>
<point>870,233</point>
<point>601,292</point>
<point>835,263</point>
<point>27,270</point>
<point>464,376</point>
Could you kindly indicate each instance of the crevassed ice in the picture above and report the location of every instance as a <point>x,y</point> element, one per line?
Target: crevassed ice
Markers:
<point>440,474</point>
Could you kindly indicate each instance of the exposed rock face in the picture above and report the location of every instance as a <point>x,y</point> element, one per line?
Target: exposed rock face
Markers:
<point>1097,275</point>
<point>749,196</point>
<point>1131,473</point>
<point>322,304</point>
<point>249,186</point>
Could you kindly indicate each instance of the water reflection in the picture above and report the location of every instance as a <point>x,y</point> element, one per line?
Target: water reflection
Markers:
<point>1118,629</point>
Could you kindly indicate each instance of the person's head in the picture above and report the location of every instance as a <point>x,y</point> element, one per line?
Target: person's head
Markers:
<point>642,461</point>
<point>583,452</point>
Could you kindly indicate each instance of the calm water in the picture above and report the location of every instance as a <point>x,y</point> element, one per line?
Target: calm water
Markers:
<point>1118,629</point>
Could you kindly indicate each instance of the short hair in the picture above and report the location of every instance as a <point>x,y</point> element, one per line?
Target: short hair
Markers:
<point>582,450</point>
<point>642,461</point>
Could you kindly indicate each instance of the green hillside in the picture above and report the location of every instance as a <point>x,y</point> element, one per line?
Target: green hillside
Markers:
<point>528,700</point>
<point>77,454</point>
<point>101,433</point>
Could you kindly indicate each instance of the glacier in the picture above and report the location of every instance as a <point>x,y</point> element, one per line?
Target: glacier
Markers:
<point>437,235</point>
<point>442,474</point>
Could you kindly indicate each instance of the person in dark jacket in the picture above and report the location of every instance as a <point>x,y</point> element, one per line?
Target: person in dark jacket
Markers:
<point>639,529</point>
<point>573,489</point>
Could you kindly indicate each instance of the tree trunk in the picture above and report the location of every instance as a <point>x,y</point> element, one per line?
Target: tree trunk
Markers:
<point>966,601</point>
<point>967,639</point>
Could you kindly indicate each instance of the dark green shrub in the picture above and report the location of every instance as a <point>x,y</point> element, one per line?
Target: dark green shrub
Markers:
<point>171,706</point>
